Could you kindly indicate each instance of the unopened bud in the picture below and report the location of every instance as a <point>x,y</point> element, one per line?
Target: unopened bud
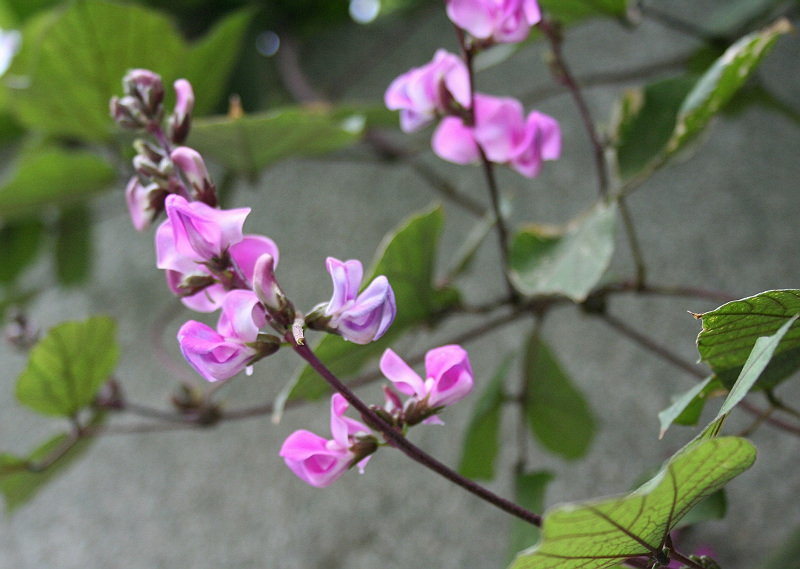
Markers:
<point>147,88</point>
<point>194,168</point>
<point>180,121</point>
<point>278,306</point>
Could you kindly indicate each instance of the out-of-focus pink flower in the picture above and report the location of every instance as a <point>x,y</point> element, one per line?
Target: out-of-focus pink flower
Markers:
<point>319,461</point>
<point>504,134</point>
<point>143,202</point>
<point>359,318</point>
<point>503,21</point>
<point>191,163</point>
<point>448,378</point>
<point>423,93</point>
<point>196,233</point>
<point>181,119</point>
<point>222,353</point>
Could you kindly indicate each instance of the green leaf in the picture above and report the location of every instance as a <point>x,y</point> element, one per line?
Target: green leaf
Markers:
<point>682,403</point>
<point>73,252</point>
<point>721,82</point>
<point>568,11</point>
<point>712,508</point>
<point>556,412</point>
<point>529,490</point>
<point>599,534</point>
<point>481,440</point>
<point>79,59</point>
<point>567,260</point>
<point>646,120</point>
<point>406,257</point>
<point>52,176</point>
<point>19,484</point>
<point>69,366</point>
<point>250,143</point>
<point>730,333</point>
<point>19,246</point>
<point>221,45</point>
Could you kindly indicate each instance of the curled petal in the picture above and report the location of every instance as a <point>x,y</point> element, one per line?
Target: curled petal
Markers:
<point>242,316</point>
<point>201,232</point>
<point>499,126</point>
<point>404,378</point>
<point>315,460</point>
<point>454,142</point>
<point>214,356</point>
<point>346,280</point>
<point>343,427</point>
<point>503,21</point>
<point>449,374</point>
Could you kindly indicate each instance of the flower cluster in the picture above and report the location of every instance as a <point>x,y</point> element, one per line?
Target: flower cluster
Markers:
<point>210,263</point>
<point>320,461</point>
<point>477,126</point>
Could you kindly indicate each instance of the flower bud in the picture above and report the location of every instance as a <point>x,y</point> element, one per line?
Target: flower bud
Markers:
<point>147,89</point>
<point>279,307</point>
<point>144,202</point>
<point>194,168</point>
<point>180,121</point>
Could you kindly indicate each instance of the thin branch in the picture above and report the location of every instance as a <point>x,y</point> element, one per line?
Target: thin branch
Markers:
<point>633,241</point>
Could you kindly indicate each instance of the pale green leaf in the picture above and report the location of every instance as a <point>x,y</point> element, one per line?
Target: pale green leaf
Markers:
<point>568,260</point>
<point>679,405</point>
<point>599,534</point>
<point>68,366</point>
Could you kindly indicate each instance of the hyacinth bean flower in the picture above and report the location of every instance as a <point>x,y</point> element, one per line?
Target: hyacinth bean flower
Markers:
<point>448,378</point>
<point>208,298</point>
<point>181,119</point>
<point>504,134</point>
<point>319,461</point>
<point>143,202</point>
<point>191,163</point>
<point>359,318</point>
<point>222,353</point>
<point>501,21</point>
<point>423,93</point>
<point>196,232</point>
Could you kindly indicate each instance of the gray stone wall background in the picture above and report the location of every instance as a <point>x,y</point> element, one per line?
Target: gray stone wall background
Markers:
<point>726,218</point>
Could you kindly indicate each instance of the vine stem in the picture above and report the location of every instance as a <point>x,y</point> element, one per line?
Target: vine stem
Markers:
<point>398,441</point>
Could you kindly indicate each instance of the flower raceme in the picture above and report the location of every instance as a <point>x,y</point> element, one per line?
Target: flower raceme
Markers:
<point>359,318</point>
<point>504,134</point>
<point>319,461</point>
<point>501,21</point>
<point>424,93</point>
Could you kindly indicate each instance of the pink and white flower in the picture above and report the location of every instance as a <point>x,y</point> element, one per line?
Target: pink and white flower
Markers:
<point>502,21</point>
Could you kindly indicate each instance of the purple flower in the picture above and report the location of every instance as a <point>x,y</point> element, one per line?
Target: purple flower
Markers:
<point>142,202</point>
<point>448,379</point>
<point>181,119</point>
<point>504,134</point>
<point>320,461</point>
<point>196,233</point>
<point>502,21</point>
<point>359,318</point>
<point>191,163</point>
<point>423,93</point>
<point>222,353</point>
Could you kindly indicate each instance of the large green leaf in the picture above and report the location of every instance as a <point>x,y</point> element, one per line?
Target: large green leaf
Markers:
<point>567,11</point>
<point>406,257</point>
<point>52,176</point>
<point>250,143</point>
<point>721,82</point>
<point>600,534</point>
<point>19,484</point>
<point>481,440</point>
<point>73,60</point>
<point>19,245</point>
<point>568,260</point>
<point>730,333</point>
<point>556,412</point>
<point>68,366</point>
<point>73,251</point>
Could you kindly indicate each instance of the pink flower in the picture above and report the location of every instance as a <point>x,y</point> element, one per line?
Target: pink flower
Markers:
<point>320,461</point>
<point>448,378</point>
<point>423,93</point>
<point>181,119</point>
<point>222,353</point>
<point>191,163</point>
<point>503,21</point>
<point>143,202</point>
<point>504,134</point>
<point>359,318</point>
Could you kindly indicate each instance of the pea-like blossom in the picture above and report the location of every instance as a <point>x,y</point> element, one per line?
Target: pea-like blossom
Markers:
<point>319,461</point>
<point>448,379</point>
<point>144,202</point>
<point>504,134</point>
<point>359,318</point>
<point>222,353</point>
<point>501,21</point>
<point>180,121</point>
<point>423,93</point>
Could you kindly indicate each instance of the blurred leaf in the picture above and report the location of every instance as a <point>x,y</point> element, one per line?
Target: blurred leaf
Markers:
<point>19,485</point>
<point>26,8</point>
<point>646,121</point>
<point>248,144</point>
<point>481,440</point>
<point>52,176</point>
<point>406,257</point>
<point>568,11</point>
<point>566,260</point>
<point>730,333</point>
<point>68,366</point>
<point>221,46</point>
<point>598,534</point>
<point>712,508</point>
<point>556,412</point>
<point>19,246</point>
<point>756,94</point>
<point>73,252</point>
<point>529,490</point>
<point>787,555</point>
<point>686,408</point>
<point>722,80</point>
